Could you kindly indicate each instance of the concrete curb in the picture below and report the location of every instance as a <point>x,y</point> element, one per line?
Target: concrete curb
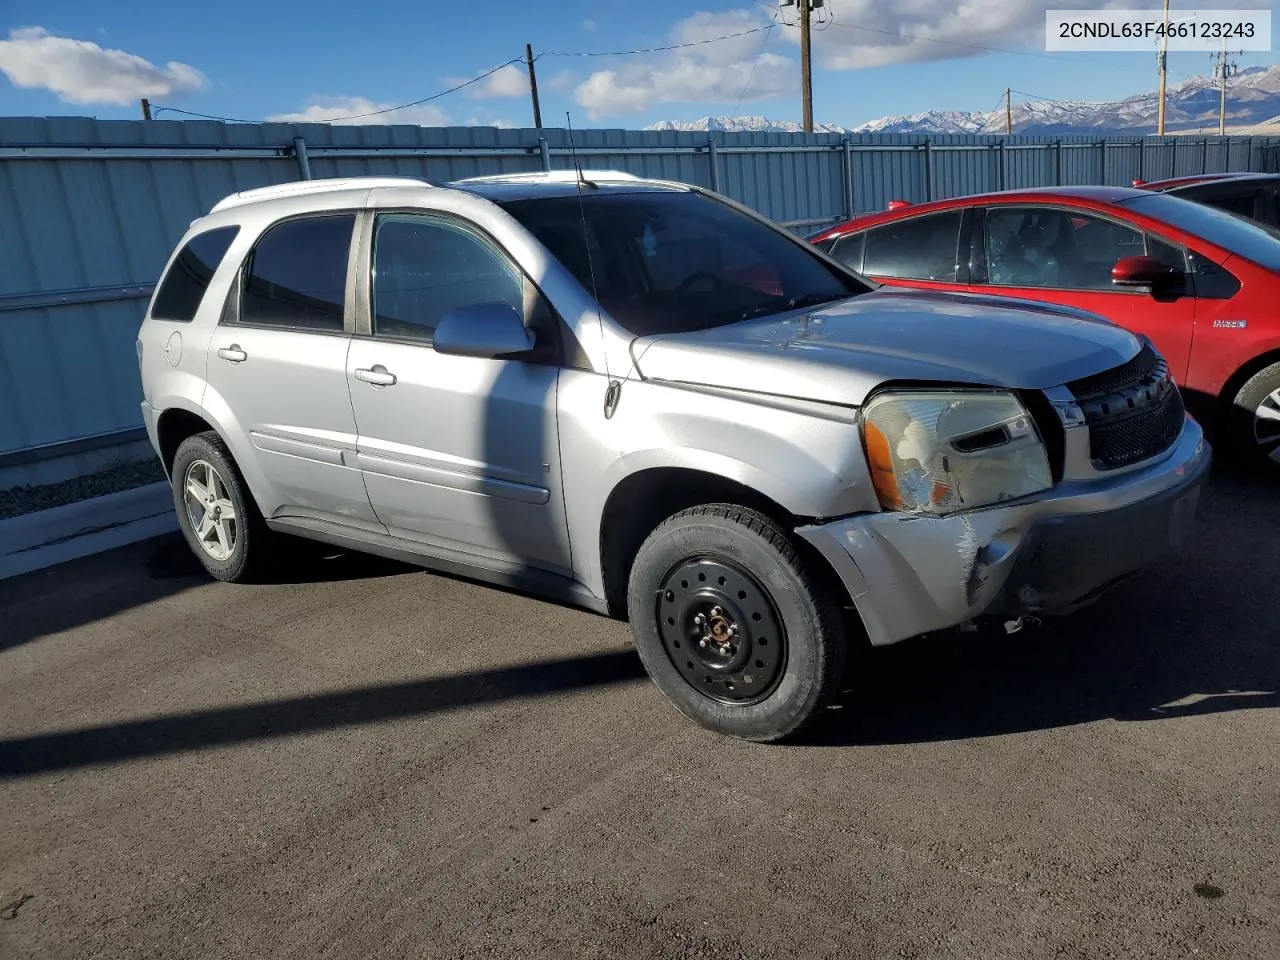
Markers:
<point>37,540</point>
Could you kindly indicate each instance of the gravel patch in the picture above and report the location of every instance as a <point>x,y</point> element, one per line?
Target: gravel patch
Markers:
<point>28,499</point>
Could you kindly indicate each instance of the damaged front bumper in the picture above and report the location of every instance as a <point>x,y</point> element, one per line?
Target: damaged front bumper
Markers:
<point>1049,554</point>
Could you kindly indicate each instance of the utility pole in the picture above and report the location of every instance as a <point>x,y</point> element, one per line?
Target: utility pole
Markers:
<point>1008,111</point>
<point>533,86</point>
<point>1163,60</point>
<point>806,60</point>
<point>146,109</point>
<point>1223,69</point>
<point>806,66</point>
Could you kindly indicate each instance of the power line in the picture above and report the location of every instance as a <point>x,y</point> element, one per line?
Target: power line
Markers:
<point>361,116</point>
<point>673,46</point>
<point>755,62</point>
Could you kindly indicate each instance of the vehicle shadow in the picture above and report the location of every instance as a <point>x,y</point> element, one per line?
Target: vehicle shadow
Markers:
<point>49,601</point>
<point>1183,639</point>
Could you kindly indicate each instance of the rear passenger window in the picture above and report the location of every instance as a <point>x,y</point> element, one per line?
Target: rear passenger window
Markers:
<point>297,275</point>
<point>922,248</point>
<point>184,286</point>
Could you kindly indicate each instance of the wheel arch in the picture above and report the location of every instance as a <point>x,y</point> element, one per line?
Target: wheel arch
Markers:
<point>179,420</point>
<point>1227,396</point>
<point>642,500</point>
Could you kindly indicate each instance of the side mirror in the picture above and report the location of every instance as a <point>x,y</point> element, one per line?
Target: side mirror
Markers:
<point>1145,272</point>
<point>489,330</point>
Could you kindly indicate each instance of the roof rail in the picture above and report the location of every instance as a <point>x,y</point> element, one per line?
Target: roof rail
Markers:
<point>552,176</point>
<point>302,188</point>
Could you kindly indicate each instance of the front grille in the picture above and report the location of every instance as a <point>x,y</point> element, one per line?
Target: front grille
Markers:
<point>1133,411</point>
<point>1117,378</point>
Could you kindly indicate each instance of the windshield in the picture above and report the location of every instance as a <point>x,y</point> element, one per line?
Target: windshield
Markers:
<point>672,262</point>
<point>1245,238</point>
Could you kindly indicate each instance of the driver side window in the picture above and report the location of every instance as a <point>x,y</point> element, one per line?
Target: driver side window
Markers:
<point>1062,249</point>
<point>425,266</point>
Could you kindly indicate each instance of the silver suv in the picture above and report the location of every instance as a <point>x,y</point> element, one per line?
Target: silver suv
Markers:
<point>646,399</point>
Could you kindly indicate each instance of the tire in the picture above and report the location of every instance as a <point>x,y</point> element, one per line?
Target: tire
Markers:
<point>735,568</point>
<point>1253,435</point>
<point>252,544</point>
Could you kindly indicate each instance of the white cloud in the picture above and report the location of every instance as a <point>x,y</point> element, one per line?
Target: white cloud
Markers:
<point>500,124</point>
<point>588,25</point>
<point>872,33</point>
<point>725,71</point>
<point>560,82</point>
<point>510,81</point>
<point>324,109</point>
<point>82,72</point>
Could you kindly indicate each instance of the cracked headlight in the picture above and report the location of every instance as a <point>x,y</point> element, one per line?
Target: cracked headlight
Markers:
<point>947,450</point>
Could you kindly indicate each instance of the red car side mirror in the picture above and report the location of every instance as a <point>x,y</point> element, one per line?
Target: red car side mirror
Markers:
<point>1144,272</point>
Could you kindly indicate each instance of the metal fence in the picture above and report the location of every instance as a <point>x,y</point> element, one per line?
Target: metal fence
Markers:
<point>89,211</point>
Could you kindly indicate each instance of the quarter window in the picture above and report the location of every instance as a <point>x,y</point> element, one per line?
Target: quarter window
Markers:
<point>184,286</point>
<point>848,250</point>
<point>1038,247</point>
<point>423,267</point>
<point>922,248</point>
<point>296,277</point>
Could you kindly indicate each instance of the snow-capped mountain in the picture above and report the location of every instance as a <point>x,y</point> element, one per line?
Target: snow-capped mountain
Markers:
<point>1253,99</point>
<point>743,125</point>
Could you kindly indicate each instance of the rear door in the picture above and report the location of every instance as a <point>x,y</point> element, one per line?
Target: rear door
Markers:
<point>1062,255</point>
<point>277,371</point>
<point>920,251</point>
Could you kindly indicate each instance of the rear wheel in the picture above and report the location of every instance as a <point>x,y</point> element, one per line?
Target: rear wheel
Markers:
<point>731,626</point>
<point>216,512</point>
<point>1255,418</point>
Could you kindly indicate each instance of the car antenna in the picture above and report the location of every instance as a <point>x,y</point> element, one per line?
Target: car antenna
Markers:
<point>614,390</point>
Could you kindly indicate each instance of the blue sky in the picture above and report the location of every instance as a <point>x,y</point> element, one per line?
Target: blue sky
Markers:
<point>324,59</point>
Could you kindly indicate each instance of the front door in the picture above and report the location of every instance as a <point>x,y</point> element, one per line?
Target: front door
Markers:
<point>276,373</point>
<point>460,453</point>
<point>1065,256</point>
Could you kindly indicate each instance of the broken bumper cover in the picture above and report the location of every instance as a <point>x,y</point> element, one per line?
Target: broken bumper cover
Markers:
<point>1048,554</point>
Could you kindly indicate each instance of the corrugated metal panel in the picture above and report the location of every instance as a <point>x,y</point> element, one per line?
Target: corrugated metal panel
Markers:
<point>110,219</point>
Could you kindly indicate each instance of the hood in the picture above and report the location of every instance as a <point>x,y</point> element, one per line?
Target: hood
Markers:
<point>842,351</point>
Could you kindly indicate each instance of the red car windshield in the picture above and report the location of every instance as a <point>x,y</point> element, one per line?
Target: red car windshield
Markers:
<point>1249,239</point>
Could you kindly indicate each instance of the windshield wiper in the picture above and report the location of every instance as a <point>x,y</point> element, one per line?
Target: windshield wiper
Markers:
<point>794,303</point>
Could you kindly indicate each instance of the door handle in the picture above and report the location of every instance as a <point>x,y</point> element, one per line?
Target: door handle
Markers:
<point>378,375</point>
<point>233,354</point>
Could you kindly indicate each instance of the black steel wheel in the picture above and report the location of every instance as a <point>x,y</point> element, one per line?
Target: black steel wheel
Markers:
<point>732,627</point>
<point>720,630</point>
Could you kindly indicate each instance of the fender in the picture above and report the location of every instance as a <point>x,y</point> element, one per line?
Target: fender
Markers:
<point>217,413</point>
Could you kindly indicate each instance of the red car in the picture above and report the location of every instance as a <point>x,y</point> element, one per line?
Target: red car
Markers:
<point>1202,284</point>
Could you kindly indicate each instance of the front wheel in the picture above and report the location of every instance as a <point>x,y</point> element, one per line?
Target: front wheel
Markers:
<point>1255,418</point>
<point>731,626</point>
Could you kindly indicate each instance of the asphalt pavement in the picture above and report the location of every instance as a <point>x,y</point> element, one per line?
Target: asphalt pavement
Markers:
<point>366,761</point>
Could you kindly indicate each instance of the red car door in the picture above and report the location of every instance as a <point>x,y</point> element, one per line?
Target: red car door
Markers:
<point>1056,254</point>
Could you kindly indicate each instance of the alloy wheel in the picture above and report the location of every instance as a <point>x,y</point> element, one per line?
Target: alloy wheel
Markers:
<point>210,510</point>
<point>1266,425</point>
